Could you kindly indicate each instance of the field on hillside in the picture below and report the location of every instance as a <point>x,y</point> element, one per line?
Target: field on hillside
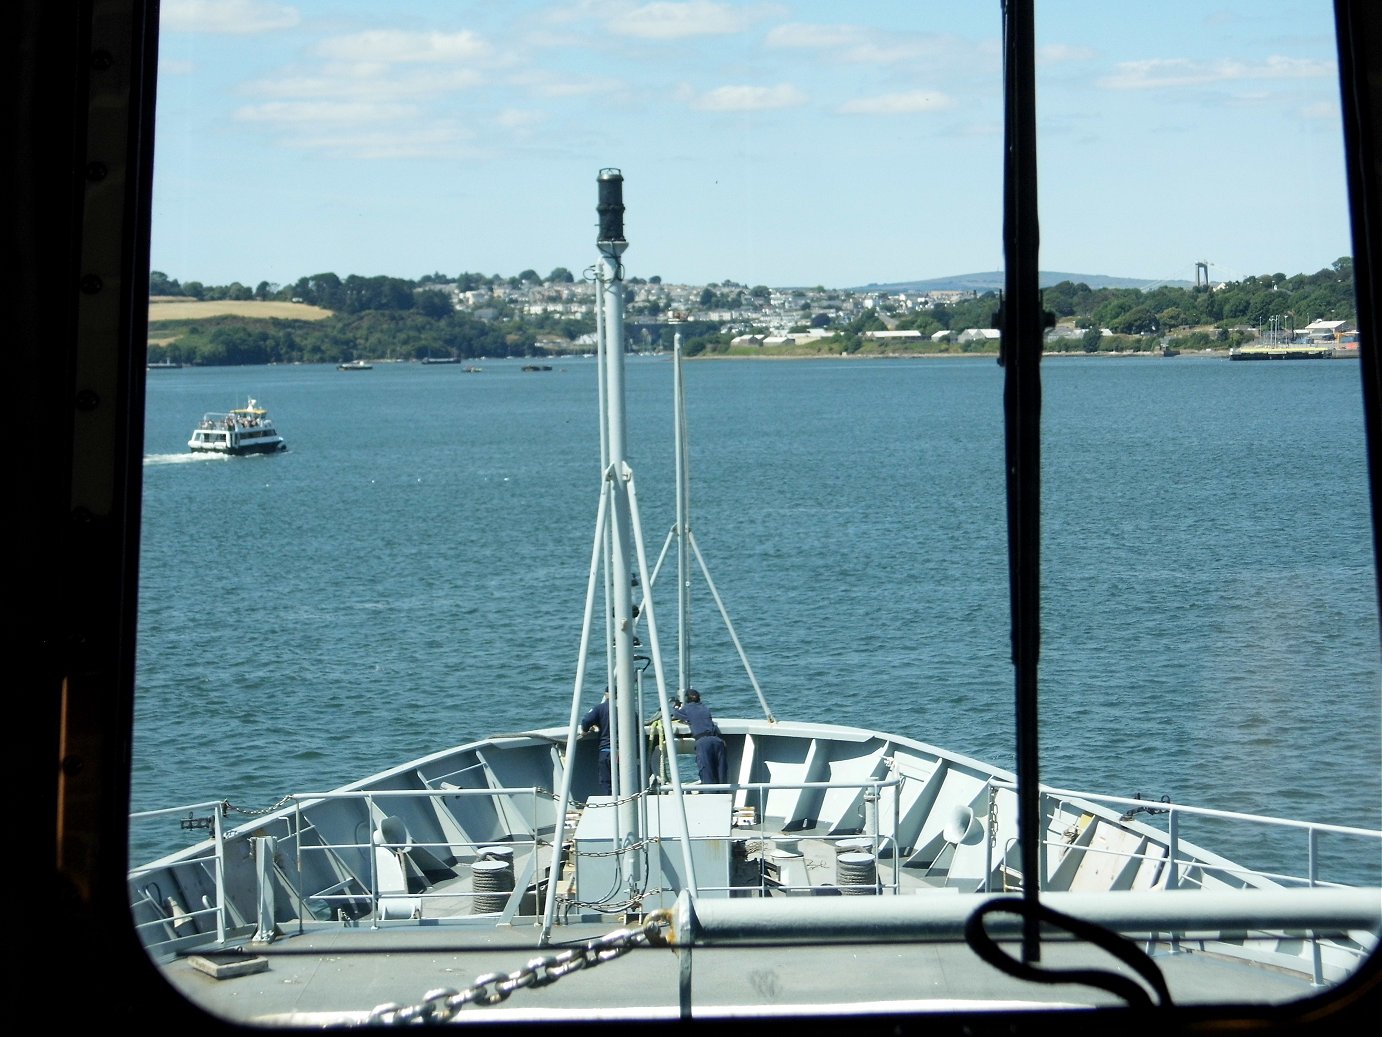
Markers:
<point>192,309</point>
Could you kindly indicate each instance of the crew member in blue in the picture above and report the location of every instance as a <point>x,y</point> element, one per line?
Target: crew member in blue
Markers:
<point>597,719</point>
<point>711,761</point>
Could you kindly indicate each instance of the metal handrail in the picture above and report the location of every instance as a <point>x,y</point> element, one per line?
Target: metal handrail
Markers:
<point>746,793</point>
<point>370,796</point>
<point>1175,811</point>
<point>218,855</point>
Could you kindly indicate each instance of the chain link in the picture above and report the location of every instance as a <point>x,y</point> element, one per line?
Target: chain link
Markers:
<point>229,807</point>
<point>614,802</point>
<point>440,1006</point>
<point>634,903</point>
<point>637,844</point>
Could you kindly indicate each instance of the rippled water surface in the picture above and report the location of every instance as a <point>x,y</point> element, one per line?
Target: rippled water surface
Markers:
<point>411,573</point>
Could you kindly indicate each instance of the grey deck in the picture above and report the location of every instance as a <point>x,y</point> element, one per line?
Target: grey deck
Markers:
<point>339,974</point>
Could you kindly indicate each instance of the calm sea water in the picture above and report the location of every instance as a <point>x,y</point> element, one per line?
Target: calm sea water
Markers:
<point>411,573</point>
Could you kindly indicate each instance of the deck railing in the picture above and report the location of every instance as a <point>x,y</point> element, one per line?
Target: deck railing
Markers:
<point>170,916</point>
<point>170,925</point>
<point>174,918</point>
<point>1178,864</point>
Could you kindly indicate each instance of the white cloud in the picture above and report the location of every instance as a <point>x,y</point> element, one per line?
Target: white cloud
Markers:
<point>800,36</point>
<point>398,47</point>
<point>1323,110</point>
<point>515,119</point>
<point>853,44</point>
<point>749,98</point>
<point>547,86</point>
<point>672,20</point>
<point>175,67</point>
<point>228,17</point>
<point>377,81</point>
<point>1160,73</point>
<point>410,142</point>
<point>907,103</point>
<point>314,113</point>
<point>1059,53</point>
<point>357,129</point>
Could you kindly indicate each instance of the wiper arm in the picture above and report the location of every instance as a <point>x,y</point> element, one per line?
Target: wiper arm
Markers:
<point>1023,323</point>
<point>1022,326</point>
<point>1033,913</point>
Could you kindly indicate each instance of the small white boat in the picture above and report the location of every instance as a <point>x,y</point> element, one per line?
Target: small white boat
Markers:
<point>355,365</point>
<point>243,430</point>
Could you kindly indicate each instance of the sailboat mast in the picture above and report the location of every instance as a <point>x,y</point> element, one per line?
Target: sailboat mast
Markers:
<point>624,694</point>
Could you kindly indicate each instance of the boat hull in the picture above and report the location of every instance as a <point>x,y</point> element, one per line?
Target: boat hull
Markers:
<point>239,451</point>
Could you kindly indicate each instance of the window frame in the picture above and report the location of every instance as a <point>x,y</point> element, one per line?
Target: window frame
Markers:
<point>82,186</point>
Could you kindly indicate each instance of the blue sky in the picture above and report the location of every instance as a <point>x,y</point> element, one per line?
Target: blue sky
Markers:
<point>788,142</point>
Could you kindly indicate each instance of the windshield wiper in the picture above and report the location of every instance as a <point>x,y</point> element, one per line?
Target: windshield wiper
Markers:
<point>1022,323</point>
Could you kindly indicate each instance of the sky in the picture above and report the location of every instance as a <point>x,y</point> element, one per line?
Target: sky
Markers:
<point>780,143</point>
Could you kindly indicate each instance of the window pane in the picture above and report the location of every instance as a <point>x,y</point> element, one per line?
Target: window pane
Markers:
<point>1208,590</point>
<point>375,236</point>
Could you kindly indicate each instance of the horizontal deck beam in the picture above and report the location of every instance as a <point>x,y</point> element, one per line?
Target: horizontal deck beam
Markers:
<point>940,915</point>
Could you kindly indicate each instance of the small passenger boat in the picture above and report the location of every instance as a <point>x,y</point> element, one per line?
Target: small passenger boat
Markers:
<point>243,430</point>
<point>355,365</point>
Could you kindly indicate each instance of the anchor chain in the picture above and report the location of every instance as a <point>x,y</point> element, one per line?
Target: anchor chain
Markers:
<point>441,1005</point>
<point>229,807</point>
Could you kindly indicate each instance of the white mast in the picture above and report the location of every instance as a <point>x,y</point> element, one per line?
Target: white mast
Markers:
<point>683,530</point>
<point>609,281</point>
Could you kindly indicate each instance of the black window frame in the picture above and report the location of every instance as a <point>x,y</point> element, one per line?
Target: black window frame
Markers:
<point>82,107</point>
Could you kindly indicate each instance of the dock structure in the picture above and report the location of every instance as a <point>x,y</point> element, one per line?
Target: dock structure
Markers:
<point>1294,351</point>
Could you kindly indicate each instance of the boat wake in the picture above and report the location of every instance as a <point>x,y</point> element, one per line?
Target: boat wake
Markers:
<point>157,460</point>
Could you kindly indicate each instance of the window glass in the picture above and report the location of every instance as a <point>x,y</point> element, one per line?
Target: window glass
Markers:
<point>1208,587</point>
<point>375,236</point>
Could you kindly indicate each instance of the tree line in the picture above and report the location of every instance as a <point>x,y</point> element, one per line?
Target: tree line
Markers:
<point>398,318</point>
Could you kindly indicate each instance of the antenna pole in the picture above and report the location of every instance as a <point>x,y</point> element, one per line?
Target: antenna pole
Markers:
<point>624,693</point>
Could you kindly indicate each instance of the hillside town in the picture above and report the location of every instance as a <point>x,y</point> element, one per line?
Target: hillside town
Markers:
<point>472,315</point>
<point>764,317</point>
<point>757,316</point>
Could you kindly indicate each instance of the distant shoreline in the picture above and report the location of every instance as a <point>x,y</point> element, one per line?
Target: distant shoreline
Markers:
<point>1210,354</point>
